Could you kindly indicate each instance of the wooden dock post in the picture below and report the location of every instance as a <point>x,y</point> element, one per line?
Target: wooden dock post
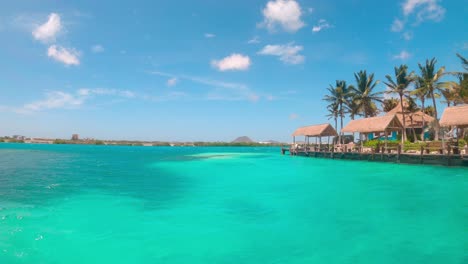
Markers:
<point>421,156</point>
<point>398,153</point>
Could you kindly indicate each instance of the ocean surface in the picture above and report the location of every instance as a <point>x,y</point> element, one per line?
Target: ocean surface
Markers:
<point>110,204</point>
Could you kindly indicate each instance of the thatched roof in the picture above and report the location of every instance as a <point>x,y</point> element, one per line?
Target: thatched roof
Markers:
<point>411,119</point>
<point>323,130</point>
<point>374,124</point>
<point>455,116</point>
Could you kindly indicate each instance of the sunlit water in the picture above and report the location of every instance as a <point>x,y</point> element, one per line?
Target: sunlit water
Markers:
<point>102,204</point>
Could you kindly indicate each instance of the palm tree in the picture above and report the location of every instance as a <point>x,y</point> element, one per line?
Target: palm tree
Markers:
<point>364,94</point>
<point>464,62</point>
<point>421,92</point>
<point>400,87</point>
<point>389,104</point>
<point>429,111</point>
<point>460,87</point>
<point>412,108</point>
<point>333,112</point>
<point>352,107</point>
<point>339,96</point>
<point>431,80</point>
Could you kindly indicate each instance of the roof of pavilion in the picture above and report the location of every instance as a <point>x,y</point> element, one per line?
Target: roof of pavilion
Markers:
<point>374,124</point>
<point>323,130</point>
<point>455,116</point>
<point>414,119</point>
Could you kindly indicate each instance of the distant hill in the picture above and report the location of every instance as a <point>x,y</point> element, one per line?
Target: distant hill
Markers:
<point>243,139</point>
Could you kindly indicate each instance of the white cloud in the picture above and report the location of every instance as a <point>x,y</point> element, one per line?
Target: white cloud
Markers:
<point>408,35</point>
<point>97,48</point>
<point>293,116</point>
<point>397,25</point>
<point>234,62</point>
<point>254,40</point>
<point>321,25</point>
<point>172,81</point>
<point>209,35</point>
<point>64,55</point>
<point>288,53</point>
<point>48,31</point>
<point>227,91</point>
<point>418,11</point>
<point>424,9</point>
<point>55,99</point>
<point>85,92</point>
<point>282,13</point>
<point>403,55</point>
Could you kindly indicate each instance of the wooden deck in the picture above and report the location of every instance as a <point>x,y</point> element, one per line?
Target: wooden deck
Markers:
<point>394,156</point>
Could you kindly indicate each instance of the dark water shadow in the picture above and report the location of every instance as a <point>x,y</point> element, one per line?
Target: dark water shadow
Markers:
<point>37,177</point>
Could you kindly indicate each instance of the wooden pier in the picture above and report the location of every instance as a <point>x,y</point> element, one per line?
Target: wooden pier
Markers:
<point>394,155</point>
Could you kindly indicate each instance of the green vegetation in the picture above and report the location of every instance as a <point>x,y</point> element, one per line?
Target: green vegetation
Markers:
<point>375,142</point>
<point>98,142</point>
<point>61,141</point>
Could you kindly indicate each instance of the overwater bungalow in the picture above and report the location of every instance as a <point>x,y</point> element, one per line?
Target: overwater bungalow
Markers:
<point>414,121</point>
<point>381,125</point>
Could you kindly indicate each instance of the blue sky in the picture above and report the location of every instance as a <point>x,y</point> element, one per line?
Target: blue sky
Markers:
<point>204,70</point>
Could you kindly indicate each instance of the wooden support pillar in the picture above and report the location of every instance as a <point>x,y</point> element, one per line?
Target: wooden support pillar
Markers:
<point>362,143</point>
<point>421,156</point>
<point>398,153</point>
<point>386,139</point>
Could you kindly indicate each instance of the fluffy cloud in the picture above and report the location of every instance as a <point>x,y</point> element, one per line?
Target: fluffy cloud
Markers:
<point>403,55</point>
<point>322,24</point>
<point>418,11</point>
<point>172,81</point>
<point>288,53</point>
<point>424,9</point>
<point>97,48</point>
<point>234,62</point>
<point>49,30</point>
<point>64,55</point>
<point>397,25</point>
<point>209,35</point>
<point>282,13</point>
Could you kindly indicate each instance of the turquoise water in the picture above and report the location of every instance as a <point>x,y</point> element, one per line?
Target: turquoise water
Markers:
<point>101,204</point>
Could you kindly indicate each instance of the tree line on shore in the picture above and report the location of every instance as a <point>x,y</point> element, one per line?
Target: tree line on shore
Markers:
<point>425,86</point>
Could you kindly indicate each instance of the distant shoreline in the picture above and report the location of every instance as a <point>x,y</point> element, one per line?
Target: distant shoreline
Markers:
<point>139,143</point>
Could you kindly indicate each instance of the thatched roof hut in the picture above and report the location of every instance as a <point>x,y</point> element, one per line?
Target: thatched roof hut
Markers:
<point>374,124</point>
<point>323,130</point>
<point>411,119</point>
<point>455,116</point>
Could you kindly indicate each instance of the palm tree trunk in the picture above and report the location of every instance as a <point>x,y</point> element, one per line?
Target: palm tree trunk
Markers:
<point>423,121</point>
<point>435,117</point>
<point>403,136</point>
<point>341,125</point>
<point>414,130</point>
